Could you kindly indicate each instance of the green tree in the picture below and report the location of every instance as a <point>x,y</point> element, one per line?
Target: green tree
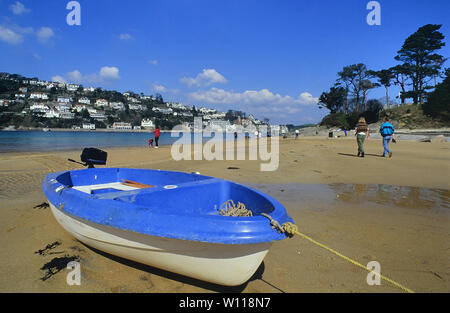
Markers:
<point>159,99</point>
<point>385,78</point>
<point>401,73</point>
<point>366,86</point>
<point>334,100</point>
<point>438,101</point>
<point>418,56</point>
<point>354,77</point>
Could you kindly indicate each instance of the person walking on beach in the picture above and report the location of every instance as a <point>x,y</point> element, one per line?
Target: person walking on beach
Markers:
<point>387,132</point>
<point>362,132</point>
<point>157,134</point>
<point>296,133</point>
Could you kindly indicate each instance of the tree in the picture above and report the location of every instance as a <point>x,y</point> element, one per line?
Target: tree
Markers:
<point>438,102</point>
<point>159,99</point>
<point>401,73</point>
<point>385,78</point>
<point>334,100</point>
<point>85,114</point>
<point>353,76</point>
<point>417,55</point>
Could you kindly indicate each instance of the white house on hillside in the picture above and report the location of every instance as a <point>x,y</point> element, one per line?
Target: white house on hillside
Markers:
<point>64,99</point>
<point>72,87</point>
<point>39,95</point>
<point>101,102</point>
<point>147,123</point>
<point>84,101</point>
<point>117,105</point>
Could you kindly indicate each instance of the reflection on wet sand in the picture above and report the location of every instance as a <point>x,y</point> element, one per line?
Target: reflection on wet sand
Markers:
<point>400,196</point>
<point>316,196</point>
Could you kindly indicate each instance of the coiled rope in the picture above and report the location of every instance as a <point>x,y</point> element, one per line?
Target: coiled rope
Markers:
<point>234,210</point>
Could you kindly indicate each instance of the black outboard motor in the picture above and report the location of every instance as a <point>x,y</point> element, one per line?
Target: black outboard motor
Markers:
<point>91,157</point>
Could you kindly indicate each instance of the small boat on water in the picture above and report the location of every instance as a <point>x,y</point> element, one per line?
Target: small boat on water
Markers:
<point>168,220</point>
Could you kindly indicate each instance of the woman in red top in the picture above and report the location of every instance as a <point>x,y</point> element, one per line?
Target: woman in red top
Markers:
<point>157,134</point>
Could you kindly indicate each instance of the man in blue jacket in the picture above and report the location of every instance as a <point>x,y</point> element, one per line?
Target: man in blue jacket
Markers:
<point>387,131</point>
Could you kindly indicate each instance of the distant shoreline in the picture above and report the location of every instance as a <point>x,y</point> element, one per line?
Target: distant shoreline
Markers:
<point>105,130</point>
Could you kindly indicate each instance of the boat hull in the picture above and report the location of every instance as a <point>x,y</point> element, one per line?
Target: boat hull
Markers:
<point>224,264</point>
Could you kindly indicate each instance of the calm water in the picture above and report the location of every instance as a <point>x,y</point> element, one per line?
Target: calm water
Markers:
<point>19,141</point>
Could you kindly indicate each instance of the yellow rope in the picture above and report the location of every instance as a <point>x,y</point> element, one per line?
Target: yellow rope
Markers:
<point>292,229</point>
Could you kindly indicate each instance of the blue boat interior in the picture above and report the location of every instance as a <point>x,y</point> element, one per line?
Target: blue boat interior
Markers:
<point>183,192</point>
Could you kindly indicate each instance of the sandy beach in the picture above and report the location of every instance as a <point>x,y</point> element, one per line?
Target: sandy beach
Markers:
<point>394,211</point>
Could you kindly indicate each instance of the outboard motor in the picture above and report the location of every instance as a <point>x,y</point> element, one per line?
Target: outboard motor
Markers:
<point>91,157</point>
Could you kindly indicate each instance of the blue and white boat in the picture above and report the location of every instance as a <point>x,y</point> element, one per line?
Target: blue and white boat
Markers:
<point>168,220</point>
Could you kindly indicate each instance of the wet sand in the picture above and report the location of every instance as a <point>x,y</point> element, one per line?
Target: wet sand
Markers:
<point>394,211</point>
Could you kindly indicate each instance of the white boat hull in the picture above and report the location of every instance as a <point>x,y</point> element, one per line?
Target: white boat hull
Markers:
<point>224,264</point>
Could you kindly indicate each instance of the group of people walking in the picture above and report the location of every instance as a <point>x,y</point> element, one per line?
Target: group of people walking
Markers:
<point>362,133</point>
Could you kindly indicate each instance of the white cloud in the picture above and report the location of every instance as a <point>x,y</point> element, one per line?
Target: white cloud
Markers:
<point>44,34</point>
<point>153,62</point>
<point>109,73</point>
<point>205,78</point>
<point>125,37</point>
<point>15,34</point>
<point>58,79</point>
<point>10,36</point>
<point>75,76</point>
<point>263,96</point>
<point>18,8</point>
<point>261,102</point>
<point>105,74</point>
<point>159,88</point>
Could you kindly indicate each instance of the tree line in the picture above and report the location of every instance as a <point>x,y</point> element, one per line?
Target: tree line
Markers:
<point>416,74</point>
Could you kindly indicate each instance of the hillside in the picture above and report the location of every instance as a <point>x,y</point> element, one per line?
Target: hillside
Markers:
<point>413,117</point>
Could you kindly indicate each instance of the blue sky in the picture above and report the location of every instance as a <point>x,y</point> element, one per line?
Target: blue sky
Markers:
<point>269,58</point>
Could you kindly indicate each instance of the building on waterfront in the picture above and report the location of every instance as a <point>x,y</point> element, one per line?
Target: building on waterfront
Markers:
<point>147,123</point>
<point>89,126</point>
<point>122,126</point>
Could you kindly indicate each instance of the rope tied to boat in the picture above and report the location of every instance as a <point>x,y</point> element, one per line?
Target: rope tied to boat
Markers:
<point>291,230</point>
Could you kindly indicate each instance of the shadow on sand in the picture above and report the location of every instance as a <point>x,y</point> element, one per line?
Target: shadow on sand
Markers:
<point>366,154</point>
<point>184,279</point>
